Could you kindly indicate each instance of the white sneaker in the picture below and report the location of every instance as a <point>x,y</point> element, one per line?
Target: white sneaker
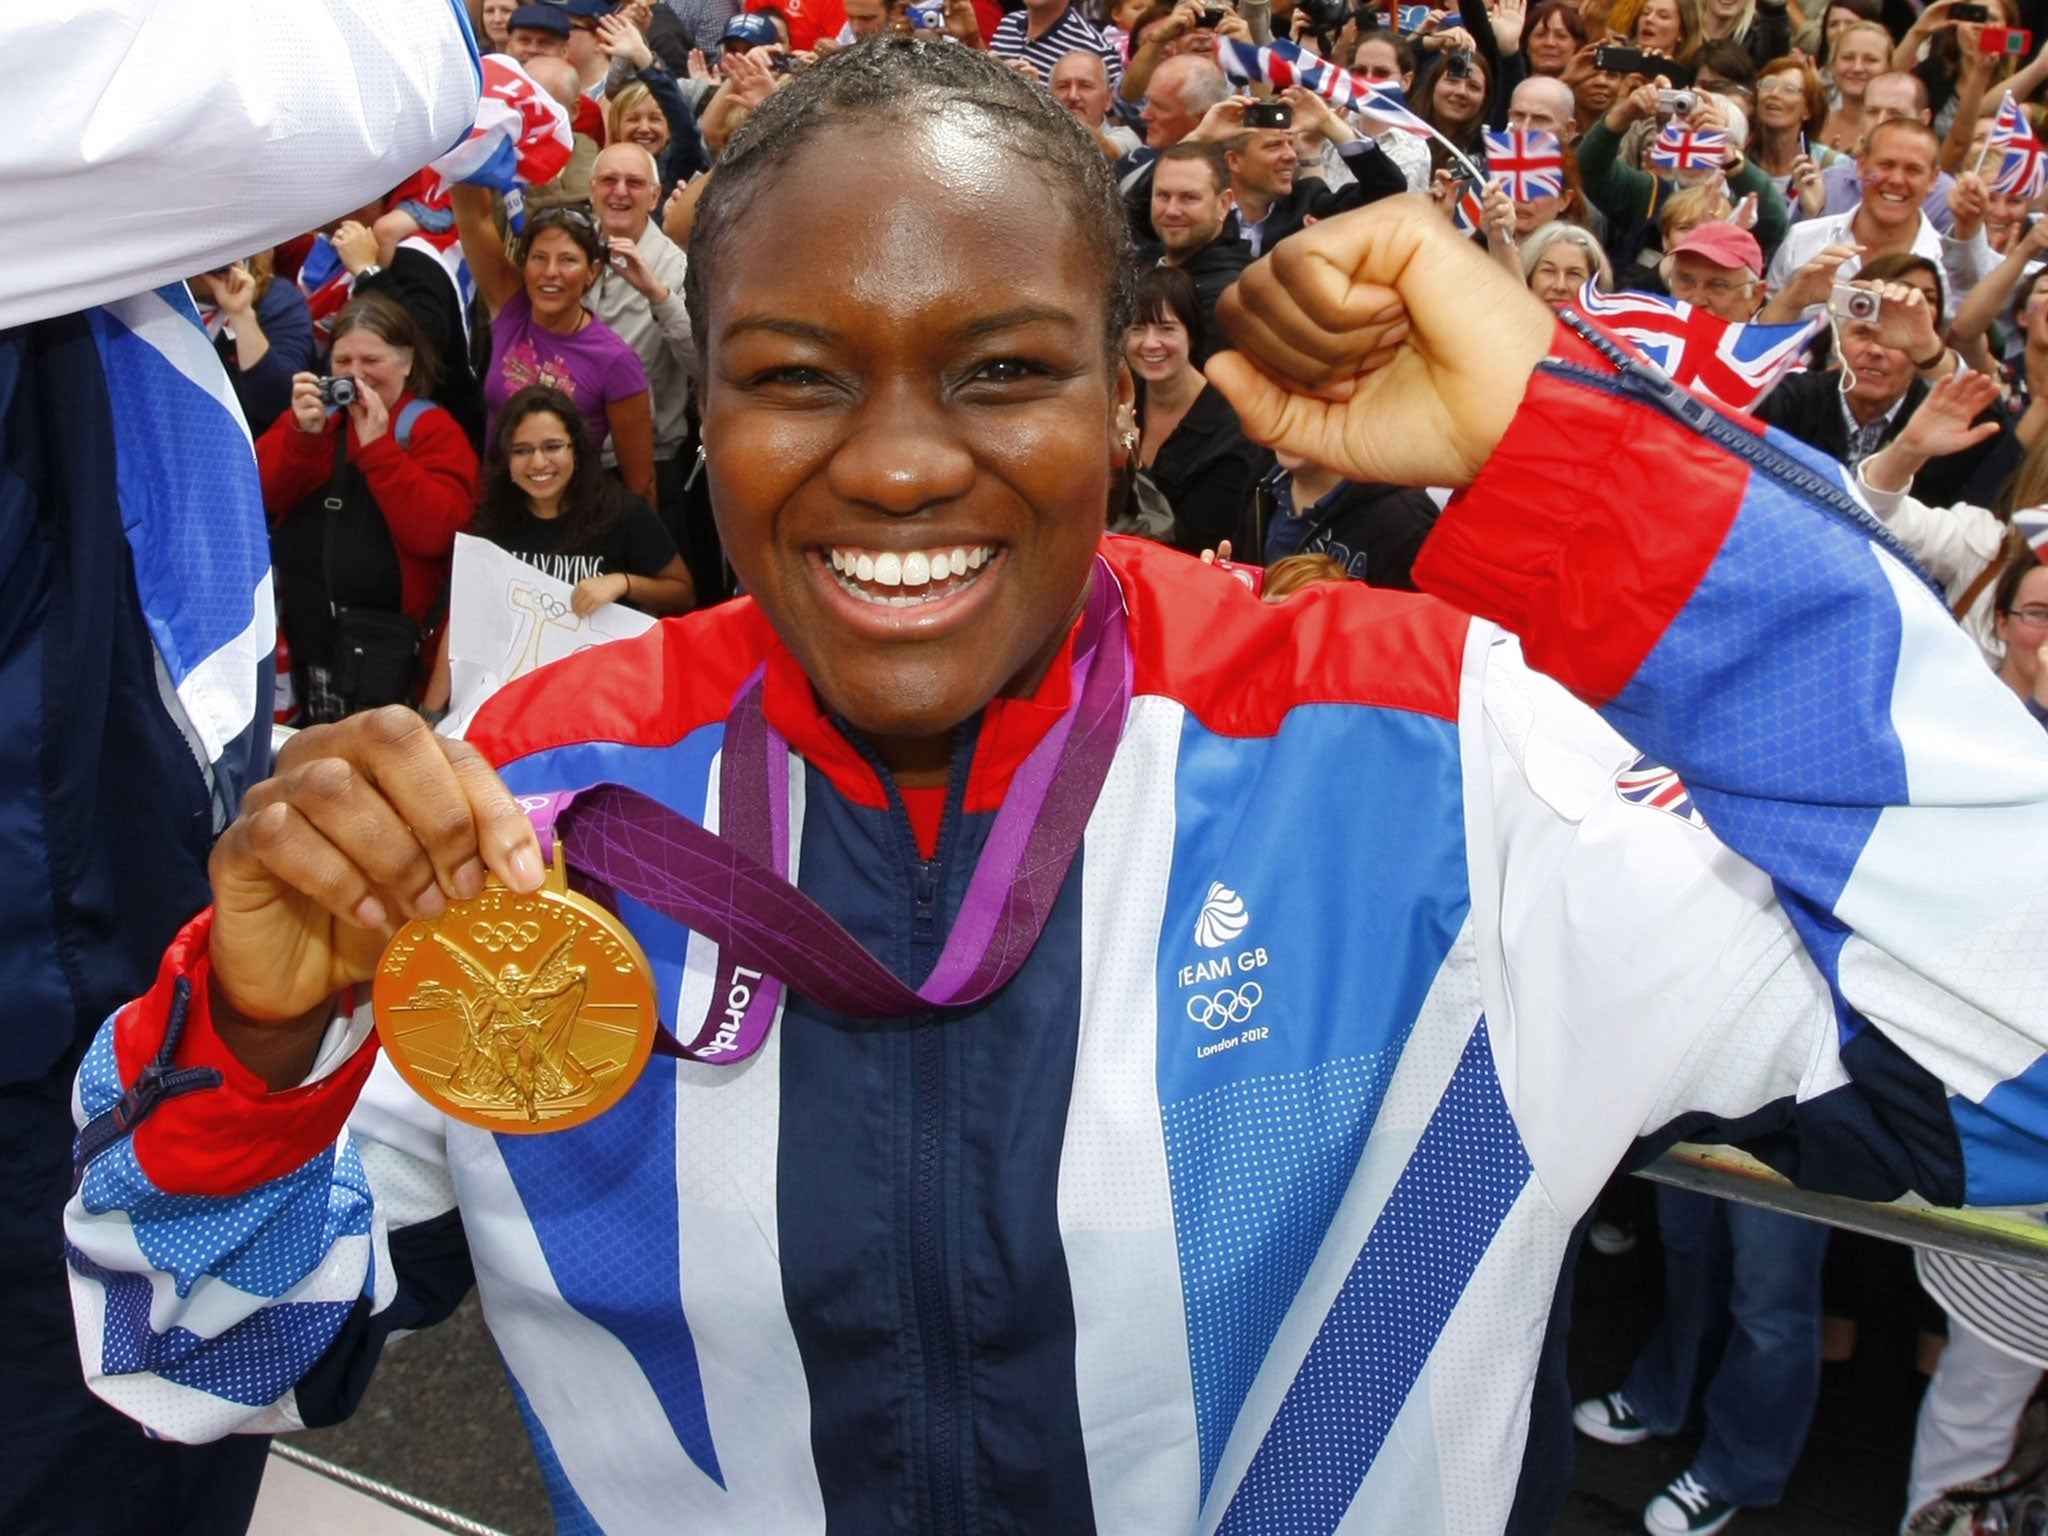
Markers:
<point>1612,1420</point>
<point>1688,1507</point>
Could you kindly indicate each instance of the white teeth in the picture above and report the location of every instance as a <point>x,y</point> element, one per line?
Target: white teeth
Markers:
<point>916,569</point>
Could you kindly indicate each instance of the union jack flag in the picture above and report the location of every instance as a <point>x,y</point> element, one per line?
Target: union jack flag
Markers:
<point>1281,64</point>
<point>1643,782</point>
<point>1468,214</point>
<point>2033,527</point>
<point>327,286</point>
<point>521,137</point>
<point>2023,163</point>
<point>1528,162</point>
<point>1682,147</point>
<point>1734,365</point>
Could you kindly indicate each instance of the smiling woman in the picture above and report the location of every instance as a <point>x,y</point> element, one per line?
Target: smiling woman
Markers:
<point>941,396</point>
<point>1053,1139</point>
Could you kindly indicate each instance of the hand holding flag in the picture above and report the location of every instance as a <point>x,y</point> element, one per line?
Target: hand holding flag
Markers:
<point>1281,64</point>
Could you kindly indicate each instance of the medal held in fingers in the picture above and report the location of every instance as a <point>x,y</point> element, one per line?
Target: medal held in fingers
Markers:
<point>518,1013</point>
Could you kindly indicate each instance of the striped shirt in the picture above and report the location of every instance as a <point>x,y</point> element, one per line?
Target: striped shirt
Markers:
<point>1070,34</point>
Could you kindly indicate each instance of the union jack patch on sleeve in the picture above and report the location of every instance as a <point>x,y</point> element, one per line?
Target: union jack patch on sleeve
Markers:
<point>1643,782</point>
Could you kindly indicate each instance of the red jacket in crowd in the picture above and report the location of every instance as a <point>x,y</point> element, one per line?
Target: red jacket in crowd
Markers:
<point>427,491</point>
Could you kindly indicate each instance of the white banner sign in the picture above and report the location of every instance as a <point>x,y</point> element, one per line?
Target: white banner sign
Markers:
<point>506,618</point>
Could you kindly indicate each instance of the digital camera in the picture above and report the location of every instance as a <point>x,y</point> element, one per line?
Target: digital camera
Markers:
<point>338,392</point>
<point>1677,103</point>
<point>1852,303</point>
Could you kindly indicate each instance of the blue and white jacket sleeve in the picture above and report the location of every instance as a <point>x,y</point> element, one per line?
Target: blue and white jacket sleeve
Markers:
<point>1789,888</point>
<point>238,1257</point>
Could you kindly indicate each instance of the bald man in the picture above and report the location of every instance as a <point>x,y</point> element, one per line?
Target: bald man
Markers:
<point>1543,104</point>
<point>558,77</point>
<point>642,299</point>
<point>1080,83</point>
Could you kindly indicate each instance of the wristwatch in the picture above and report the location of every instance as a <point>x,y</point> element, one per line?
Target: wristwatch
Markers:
<point>369,271</point>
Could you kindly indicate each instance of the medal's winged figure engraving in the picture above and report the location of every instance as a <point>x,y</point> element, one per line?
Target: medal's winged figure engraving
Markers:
<point>515,1031</point>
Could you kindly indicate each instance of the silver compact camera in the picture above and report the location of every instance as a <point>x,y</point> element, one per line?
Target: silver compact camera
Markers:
<point>338,392</point>
<point>1849,302</point>
<point>1677,103</point>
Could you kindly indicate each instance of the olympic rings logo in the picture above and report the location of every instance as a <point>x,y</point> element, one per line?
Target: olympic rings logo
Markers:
<point>502,936</point>
<point>1232,1005</point>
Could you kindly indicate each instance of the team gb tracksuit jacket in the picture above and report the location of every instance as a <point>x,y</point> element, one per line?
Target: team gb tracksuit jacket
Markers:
<point>1240,1207</point>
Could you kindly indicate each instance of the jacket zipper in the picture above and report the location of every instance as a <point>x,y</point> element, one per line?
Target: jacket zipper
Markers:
<point>930,1258</point>
<point>1639,382</point>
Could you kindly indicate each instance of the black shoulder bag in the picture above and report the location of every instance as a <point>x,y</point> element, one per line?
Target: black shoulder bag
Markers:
<point>376,658</point>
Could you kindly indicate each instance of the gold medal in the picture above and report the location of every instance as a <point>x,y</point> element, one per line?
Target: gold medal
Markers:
<point>518,1013</point>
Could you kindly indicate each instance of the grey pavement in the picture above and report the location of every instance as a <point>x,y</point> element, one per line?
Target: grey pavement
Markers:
<point>439,1420</point>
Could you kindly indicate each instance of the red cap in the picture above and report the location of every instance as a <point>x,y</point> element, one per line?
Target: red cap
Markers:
<point>1724,245</point>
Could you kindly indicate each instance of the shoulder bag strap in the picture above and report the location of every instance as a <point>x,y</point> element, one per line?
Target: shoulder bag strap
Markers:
<point>1985,577</point>
<point>331,506</point>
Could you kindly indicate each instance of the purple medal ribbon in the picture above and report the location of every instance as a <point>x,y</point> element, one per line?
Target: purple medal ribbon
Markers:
<point>729,885</point>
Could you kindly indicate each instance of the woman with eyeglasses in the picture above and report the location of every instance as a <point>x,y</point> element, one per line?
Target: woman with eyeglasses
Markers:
<point>542,331</point>
<point>1791,109</point>
<point>547,499</point>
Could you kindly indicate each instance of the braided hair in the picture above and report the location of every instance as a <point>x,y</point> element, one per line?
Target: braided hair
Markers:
<point>907,80</point>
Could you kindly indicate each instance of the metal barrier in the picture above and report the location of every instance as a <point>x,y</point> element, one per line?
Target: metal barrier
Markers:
<point>2016,1240</point>
<point>424,1509</point>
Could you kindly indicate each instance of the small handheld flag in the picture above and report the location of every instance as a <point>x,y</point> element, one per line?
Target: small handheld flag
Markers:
<point>1736,365</point>
<point>1468,213</point>
<point>2033,527</point>
<point>521,137</point>
<point>1281,64</point>
<point>1682,147</point>
<point>2022,163</point>
<point>1529,163</point>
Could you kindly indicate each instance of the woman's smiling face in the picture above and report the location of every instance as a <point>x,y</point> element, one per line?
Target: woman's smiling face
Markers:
<point>909,411</point>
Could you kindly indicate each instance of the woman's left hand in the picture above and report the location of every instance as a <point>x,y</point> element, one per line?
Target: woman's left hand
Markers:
<point>370,416</point>
<point>593,592</point>
<point>1382,344</point>
<point>234,290</point>
<point>1499,216</point>
<point>1508,17</point>
<point>618,38</point>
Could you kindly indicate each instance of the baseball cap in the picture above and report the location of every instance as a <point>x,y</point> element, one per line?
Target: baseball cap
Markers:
<point>541,18</point>
<point>751,30</point>
<point>1724,245</point>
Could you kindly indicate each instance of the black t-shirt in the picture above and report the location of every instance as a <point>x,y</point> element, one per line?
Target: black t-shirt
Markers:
<point>636,544</point>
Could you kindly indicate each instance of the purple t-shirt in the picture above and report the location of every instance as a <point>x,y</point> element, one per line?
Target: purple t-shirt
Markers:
<point>592,367</point>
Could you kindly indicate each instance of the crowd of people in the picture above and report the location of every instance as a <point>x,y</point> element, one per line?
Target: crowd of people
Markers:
<point>527,369</point>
